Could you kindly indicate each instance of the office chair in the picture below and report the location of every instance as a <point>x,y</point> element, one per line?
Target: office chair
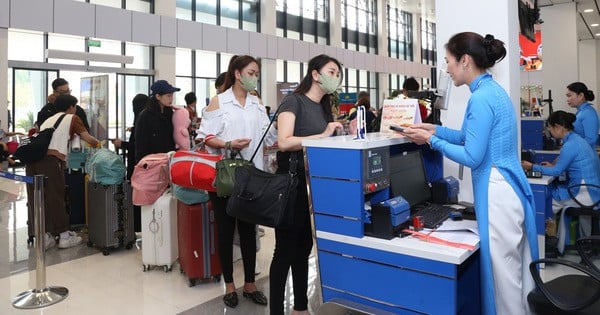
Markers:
<point>589,210</point>
<point>576,292</point>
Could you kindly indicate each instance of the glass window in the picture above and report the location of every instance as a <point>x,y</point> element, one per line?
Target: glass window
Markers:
<point>30,95</point>
<point>141,56</point>
<point>206,11</point>
<point>400,38</point>
<point>293,72</point>
<point>183,10</point>
<point>359,29</point>
<point>138,5</point>
<point>108,3</point>
<point>225,61</point>
<point>428,48</point>
<point>183,62</point>
<point>185,84</point>
<point>25,45</point>
<point>230,13</point>
<point>66,42</point>
<point>206,64</point>
<point>280,71</point>
<point>303,20</point>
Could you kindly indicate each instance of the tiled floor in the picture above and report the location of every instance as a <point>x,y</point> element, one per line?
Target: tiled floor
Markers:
<point>116,284</point>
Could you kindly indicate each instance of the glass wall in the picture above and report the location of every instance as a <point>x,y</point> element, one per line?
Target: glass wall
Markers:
<point>400,41</point>
<point>244,15</point>
<point>303,20</point>
<point>359,25</point>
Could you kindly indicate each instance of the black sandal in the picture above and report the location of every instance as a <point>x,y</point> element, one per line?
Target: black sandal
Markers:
<point>256,296</point>
<point>231,299</point>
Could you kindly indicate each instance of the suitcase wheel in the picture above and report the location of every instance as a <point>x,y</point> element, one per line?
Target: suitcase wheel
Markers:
<point>167,268</point>
<point>90,243</point>
<point>217,278</point>
<point>129,246</point>
<point>30,240</point>
<point>105,251</point>
<point>146,268</point>
<point>191,282</point>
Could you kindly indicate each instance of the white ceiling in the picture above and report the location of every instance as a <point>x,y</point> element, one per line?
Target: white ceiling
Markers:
<point>585,30</point>
<point>585,20</point>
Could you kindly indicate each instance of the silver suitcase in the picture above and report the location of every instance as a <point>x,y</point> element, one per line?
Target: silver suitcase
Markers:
<point>110,216</point>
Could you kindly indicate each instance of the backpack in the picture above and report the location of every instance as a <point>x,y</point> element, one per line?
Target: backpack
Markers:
<point>105,167</point>
<point>150,178</point>
<point>34,148</point>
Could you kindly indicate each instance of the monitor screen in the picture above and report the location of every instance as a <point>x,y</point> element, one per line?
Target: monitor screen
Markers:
<point>407,177</point>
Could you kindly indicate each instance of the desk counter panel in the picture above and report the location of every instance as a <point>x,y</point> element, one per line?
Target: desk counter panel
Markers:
<point>394,275</point>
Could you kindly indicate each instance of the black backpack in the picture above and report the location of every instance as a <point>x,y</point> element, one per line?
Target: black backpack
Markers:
<point>34,148</point>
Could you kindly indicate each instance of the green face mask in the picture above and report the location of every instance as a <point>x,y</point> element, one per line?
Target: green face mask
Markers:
<point>328,83</point>
<point>248,82</point>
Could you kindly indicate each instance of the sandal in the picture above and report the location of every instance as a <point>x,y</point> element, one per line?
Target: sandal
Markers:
<point>231,299</point>
<point>256,296</point>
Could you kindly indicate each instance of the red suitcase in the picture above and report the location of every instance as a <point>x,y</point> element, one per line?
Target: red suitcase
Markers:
<point>197,240</point>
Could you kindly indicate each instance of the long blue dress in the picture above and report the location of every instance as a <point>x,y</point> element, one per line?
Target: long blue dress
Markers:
<point>487,138</point>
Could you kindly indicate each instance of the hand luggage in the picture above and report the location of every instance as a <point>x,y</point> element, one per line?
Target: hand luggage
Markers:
<point>159,233</point>
<point>75,196</point>
<point>193,169</point>
<point>197,230</point>
<point>150,178</point>
<point>110,221</point>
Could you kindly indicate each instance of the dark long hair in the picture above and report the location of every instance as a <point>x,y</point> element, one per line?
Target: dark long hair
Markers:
<point>561,118</point>
<point>579,87</point>
<point>485,51</point>
<point>237,63</point>
<point>317,63</point>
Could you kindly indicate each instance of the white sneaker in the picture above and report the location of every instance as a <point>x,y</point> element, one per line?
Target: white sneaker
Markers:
<point>49,241</point>
<point>69,239</point>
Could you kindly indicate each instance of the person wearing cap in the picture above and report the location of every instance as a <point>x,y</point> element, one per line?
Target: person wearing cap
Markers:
<point>154,126</point>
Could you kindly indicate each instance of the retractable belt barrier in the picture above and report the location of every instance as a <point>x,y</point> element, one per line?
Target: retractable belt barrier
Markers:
<point>42,295</point>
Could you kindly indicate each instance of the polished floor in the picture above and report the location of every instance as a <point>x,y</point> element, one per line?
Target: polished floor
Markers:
<point>116,284</point>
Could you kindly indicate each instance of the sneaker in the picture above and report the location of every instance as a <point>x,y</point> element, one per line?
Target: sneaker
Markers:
<point>69,239</point>
<point>49,241</point>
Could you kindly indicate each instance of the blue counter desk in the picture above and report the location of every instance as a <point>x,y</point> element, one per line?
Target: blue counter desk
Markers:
<point>543,207</point>
<point>401,275</point>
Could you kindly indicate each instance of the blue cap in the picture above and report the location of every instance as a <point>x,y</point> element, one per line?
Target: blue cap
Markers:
<point>162,87</point>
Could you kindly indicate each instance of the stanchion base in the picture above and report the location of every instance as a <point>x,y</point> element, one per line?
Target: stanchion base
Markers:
<point>39,298</point>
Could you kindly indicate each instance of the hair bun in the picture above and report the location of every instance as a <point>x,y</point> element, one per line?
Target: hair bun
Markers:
<point>487,41</point>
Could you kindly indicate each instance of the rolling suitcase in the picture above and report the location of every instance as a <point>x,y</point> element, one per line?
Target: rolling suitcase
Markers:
<point>197,230</point>
<point>75,196</point>
<point>159,232</point>
<point>110,221</point>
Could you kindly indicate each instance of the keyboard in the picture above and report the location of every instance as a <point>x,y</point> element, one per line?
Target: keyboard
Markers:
<point>433,214</point>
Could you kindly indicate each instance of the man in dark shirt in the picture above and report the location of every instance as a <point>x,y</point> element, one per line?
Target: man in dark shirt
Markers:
<point>59,86</point>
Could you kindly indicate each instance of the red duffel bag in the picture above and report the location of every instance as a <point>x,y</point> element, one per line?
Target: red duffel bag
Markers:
<point>194,169</point>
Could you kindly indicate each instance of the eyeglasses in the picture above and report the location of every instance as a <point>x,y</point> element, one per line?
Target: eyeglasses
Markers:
<point>61,92</point>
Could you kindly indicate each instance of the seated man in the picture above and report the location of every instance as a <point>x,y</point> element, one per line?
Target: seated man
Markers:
<point>582,166</point>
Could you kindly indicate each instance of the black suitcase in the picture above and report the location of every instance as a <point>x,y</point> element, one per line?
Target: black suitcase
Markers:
<point>75,197</point>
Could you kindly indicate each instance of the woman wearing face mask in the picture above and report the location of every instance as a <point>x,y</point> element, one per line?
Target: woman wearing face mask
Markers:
<point>235,120</point>
<point>305,114</point>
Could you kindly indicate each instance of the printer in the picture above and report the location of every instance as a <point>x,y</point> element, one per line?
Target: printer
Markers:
<point>388,218</point>
<point>445,190</point>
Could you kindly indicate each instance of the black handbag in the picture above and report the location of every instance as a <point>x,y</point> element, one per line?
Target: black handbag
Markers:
<point>263,198</point>
<point>34,148</point>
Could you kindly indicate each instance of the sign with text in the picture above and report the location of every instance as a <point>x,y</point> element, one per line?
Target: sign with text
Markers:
<point>401,112</point>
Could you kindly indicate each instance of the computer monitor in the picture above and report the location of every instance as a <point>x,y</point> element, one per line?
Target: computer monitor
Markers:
<point>407,177</point>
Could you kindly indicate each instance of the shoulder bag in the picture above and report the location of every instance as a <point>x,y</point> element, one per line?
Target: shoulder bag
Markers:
<point>263,198</point>
<point>34,148</point>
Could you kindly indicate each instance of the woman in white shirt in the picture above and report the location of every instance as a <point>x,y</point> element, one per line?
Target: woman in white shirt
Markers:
<point>236,120</point>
